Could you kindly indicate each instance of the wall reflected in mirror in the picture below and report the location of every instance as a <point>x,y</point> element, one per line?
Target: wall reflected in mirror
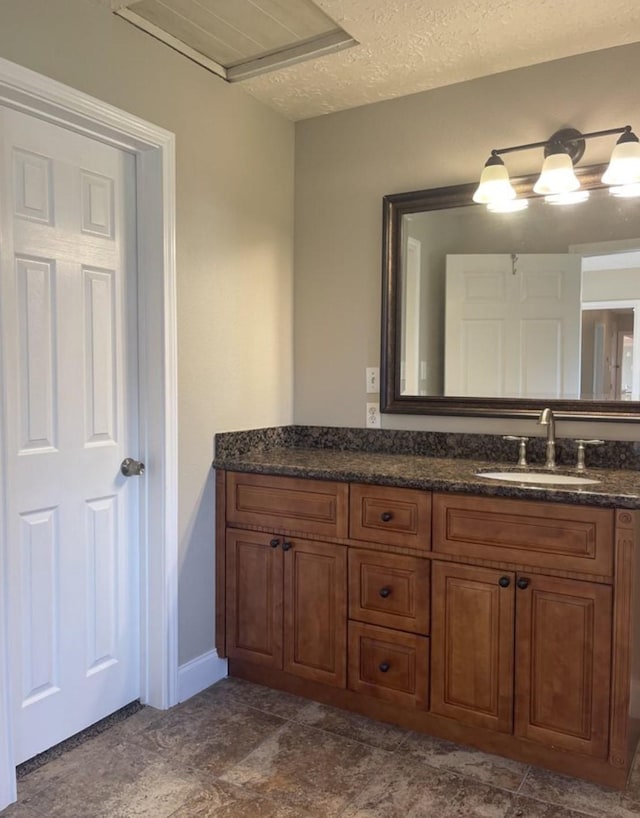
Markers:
<point>539,304</point>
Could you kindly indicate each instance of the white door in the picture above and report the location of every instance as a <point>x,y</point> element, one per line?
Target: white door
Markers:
<point>513,325</point>
<point>68,312</point>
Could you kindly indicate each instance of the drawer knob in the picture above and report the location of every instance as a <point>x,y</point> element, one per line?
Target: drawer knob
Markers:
<point>383,667</point>
<point>523,583</point>
<point>504,582</point>
<point>386,516</point>
<point>286,546</point>
<point>274,543</point>
<point>385,592</point>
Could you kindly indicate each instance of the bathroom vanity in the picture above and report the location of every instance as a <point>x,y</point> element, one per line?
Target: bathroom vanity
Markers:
<point>410,589</point>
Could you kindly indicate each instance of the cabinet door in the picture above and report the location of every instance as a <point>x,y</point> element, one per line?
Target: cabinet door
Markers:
<point>563,662</point>
<point>315,611</point>
<point>254,598</point>
<point>472,645</point>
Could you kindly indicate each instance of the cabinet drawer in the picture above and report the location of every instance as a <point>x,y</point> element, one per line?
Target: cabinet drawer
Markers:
<point>389,589</point>
<point>392,516</point>
<point>389,665</point>
<point>547,535</point>
<point>301,505</point>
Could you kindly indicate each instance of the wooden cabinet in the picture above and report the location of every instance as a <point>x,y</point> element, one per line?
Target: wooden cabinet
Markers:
<point>315,611</point>
<point>254,587</point>
<point>383,514</point>
<point>389,665</point>
<point>389,589</point>
<point>503,623</point>
<point>315,507</point>
<point>547,535</point>
<point>472,645</point>
<point>388,627</point>
<point>563,663</point>
<point>523,653</point>
<point>287,604</point>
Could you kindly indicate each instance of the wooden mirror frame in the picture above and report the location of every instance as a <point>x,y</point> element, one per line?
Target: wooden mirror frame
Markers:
<point>397,205</point>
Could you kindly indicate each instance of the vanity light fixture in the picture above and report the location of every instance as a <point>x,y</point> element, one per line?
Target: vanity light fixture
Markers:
<point>557,178</point>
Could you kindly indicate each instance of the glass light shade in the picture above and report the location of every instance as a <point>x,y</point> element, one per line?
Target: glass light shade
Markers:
<point>494,185</point>
<point>557,175</point>
<point>624,166</point>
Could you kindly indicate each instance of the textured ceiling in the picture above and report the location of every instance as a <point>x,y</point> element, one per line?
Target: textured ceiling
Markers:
<point>406,46</point>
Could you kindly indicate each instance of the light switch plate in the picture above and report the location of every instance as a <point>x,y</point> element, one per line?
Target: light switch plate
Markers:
<point>373,379</point>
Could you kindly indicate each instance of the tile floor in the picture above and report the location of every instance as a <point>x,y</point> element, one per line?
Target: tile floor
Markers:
<point>238,750</point>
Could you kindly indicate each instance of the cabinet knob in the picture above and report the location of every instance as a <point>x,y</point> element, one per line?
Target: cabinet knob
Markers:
<point>275,542</point>
<point>504,582</point>
<point>523,583</point>
<point>385,592</point>
<point>286,546</point>
<point>386,516</point>
<point>383,667</point>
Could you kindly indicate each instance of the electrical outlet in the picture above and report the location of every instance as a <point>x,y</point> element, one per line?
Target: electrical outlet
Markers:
<point>373,379</point>
<point>373,416</point>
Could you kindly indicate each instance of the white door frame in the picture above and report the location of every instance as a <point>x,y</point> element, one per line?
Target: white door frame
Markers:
<point>154,147</point>
<point>624,304</point>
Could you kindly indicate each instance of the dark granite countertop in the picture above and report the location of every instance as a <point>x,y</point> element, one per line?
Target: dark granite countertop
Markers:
<point>618,488</point>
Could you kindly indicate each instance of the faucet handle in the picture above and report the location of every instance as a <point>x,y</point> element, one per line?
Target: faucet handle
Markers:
<point>522,447</point>
<point>581,442</point>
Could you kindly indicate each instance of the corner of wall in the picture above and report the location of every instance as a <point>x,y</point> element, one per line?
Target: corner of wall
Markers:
<point>200,673</point>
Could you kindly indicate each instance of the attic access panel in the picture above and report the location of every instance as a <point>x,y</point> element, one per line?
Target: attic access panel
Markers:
<point>238,39</point>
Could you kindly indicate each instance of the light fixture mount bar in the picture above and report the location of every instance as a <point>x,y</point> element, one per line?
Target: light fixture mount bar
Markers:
<point>567,137</point>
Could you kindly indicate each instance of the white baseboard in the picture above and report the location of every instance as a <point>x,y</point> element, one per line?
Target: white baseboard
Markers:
<point>200,673</point>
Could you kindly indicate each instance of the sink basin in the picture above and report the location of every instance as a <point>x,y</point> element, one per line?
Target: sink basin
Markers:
<point>538,478</point>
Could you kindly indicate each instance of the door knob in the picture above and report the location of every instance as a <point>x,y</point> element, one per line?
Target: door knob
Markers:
<point>130,467</point>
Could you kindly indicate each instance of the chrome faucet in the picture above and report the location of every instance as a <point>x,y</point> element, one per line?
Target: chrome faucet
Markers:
<point>547,419</point>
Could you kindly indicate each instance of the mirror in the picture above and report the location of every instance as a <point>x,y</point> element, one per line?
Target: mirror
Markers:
<point>500,314</point>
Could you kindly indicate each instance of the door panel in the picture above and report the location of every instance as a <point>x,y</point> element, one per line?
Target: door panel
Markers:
<point>472,645</point>
<point>526,309</point>
<point>563,655</point>
<point>315,604</point>
<point>70,371</point>
<point>254,598</point>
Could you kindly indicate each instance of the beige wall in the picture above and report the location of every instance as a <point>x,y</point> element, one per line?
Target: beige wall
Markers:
<point>346,162</point>
<point>234,245</point>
